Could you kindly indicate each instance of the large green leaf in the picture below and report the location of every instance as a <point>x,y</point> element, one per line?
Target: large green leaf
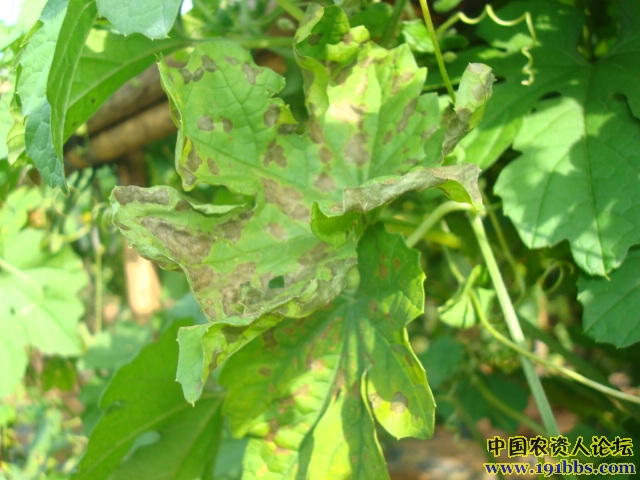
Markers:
<point>33,73</point>
<point>153,18</point>
<point>611,306</point>
<point>336,370</point>
<point>39,304</point>
<point>74,32</point>
<point>251,267</point>
<point>576,179</point>
<point>106,62</point>
<point>147,429</point>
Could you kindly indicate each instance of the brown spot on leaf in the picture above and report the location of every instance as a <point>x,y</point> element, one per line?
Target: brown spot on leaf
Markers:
<point>201,277</point>
<point>347,38</point>
<point>303,391</point>
<point>396,263</point>
<point>399,81</point>
<point>213,167</point>
<point>232,333</point>
<point>355,150</point>
<point>366,61</point>
<point>208,63</point>
<point>409,359</point>
<point>387,137</point>
<point>197,75</point>
<point>383,271</point>
<point>125,195</point>
<point>325,154</point>
<point>325,183</point>
<point>265,372</point>
<point>373,306</point>
<point>287,128</point>
<point>271,115</point>
<point>399,403</point>
<point>205,123</point>
<point>314,255</point>
<point>188,177</point>
<point>232,230</point>
<point>231,60</point>
<point>314,39</point>
<point>274,426</point>
<point>186,246</point>
<point>288,199</point>
<point>315,131</point>
<point>182,205</point>
<point>186,75</point>
<point>276,231</point>
<point>406,115</point>
<point>251,72</point>
<point>227,124</point>
<point>269,339</point>
<point>275,153</point>
<point>317,365</point>
<point>375,399</point>
<point>193,160</point>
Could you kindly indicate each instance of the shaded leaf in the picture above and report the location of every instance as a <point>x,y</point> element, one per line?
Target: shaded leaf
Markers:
<point>612,306</point>
<point>153,18</point>
<point>459,311</point>
<point>576,178</point>
<point>150,431</point>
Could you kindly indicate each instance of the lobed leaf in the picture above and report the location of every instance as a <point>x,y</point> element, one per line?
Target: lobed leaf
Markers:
<point>307,382</point>
<point>251,267</point>
<point>611,306</point>
<point>150,431</point>
<point>153,18</point>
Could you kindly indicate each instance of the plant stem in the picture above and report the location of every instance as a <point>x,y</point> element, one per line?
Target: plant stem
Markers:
<point>515,330</point>
<point>436,48</point>
<point>431,219</point>
<point>291,8</point>
<point>392,24</point>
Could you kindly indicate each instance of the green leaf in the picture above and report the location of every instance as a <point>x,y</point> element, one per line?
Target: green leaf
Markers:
<point>106,62</point>
<point>74,31</point>
<point>39,304</point>
<point>150,431</point>
<point>327,368</point>
<point>611,306</point>
<point>576,177</point>
<point>250,267</point>
<point>153,18</point>
<point>459,311</point>
<point>31,87</point>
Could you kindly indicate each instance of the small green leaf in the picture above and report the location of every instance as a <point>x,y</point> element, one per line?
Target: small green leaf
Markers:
<point>612,306</point>
<point>459,311</point>
<point>149,431</point>
<point>153,18</point>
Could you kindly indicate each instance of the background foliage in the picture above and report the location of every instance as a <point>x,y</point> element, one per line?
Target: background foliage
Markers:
<point>327,215</point>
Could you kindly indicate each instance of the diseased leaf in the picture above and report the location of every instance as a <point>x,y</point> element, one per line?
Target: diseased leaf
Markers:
<point>251,268</point>
<point>576,179</point>
<point>311,371</point>
<point>612,307</point>
<point>153,18</point>
<point>150,431</point>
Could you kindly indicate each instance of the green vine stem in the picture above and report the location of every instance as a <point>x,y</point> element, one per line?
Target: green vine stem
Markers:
<point>535,385</point>
<point>430,220</point>
<point>291,8</point>
<point>389,34</point>
<point>489,12</point>
<point>436,47</point>
<point>565,371</point>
